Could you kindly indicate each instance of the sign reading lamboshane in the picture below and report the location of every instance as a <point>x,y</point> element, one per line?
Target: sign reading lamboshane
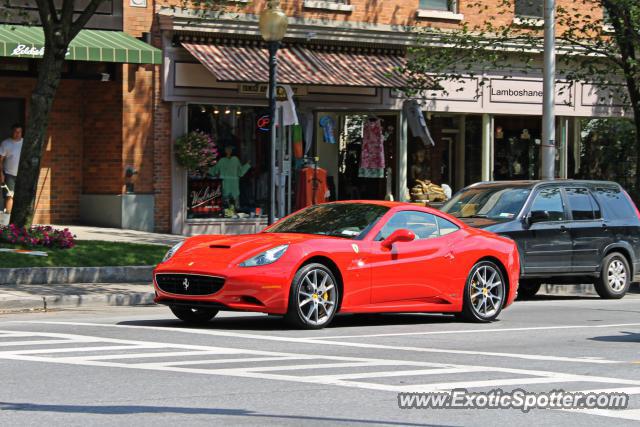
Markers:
<point>522,91</point>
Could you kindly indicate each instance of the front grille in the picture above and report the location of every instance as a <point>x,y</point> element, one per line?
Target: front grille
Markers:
<point>189,284</point>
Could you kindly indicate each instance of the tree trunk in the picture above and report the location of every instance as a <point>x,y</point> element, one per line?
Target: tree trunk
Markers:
<point>35,133</point>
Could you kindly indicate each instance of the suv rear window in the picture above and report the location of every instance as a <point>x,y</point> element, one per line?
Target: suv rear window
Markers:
<point>582,205</point>
<point>615,203</point>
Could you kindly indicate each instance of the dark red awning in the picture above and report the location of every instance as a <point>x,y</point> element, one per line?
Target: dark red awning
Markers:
<point>301,65</point>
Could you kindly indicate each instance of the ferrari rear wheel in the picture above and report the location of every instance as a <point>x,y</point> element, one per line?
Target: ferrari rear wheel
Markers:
<point>484,293</point>
<point>313,299</point>
<point>195,316</point>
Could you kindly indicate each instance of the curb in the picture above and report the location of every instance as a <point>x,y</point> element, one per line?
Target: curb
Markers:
<point>69,275</point>
<point>76,301</point>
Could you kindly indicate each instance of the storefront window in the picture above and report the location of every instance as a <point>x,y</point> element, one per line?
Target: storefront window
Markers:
<point>237,186</point>
<point>358,153</point>
<point>516,147</point>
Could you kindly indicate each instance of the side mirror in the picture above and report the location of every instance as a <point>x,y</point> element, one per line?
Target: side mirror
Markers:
<point>401,235</point>
<point>537,216</point>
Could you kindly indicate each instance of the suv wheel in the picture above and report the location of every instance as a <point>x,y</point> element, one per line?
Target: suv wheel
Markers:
<point>528,290</point>
<point>615,277</point>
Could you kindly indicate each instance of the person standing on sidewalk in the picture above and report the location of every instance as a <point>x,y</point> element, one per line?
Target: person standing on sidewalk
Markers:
<point>9,160</point>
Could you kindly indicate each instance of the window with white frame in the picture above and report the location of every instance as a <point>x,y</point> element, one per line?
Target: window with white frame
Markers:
<point>443,5</point>
<point>530,8</point>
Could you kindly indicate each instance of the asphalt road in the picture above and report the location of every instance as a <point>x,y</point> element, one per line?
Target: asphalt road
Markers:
<point>138,365</point>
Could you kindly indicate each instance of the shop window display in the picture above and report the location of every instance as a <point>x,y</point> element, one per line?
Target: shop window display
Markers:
<point>357,151</point>
<point>516,148</point>
<point>236,186</point>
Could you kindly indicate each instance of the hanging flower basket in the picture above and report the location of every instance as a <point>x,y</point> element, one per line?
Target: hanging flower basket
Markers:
<point>196,152</point>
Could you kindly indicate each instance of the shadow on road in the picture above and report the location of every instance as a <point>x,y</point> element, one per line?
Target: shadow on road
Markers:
<point>136,409</point>
<point>271,323</point>
<point>627,337</point>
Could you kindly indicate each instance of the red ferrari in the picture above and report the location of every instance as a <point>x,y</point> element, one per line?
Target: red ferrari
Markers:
<point>347,257</point>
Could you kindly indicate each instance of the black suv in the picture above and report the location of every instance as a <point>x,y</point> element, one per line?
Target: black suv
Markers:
<point>567,231</point>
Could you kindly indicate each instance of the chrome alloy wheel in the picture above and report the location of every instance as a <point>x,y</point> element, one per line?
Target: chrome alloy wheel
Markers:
<point>317,297</point>
<point>486,291</point>
<point>617,275</point>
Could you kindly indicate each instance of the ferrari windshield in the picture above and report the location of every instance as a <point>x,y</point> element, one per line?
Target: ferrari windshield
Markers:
<point>348,220</point>
<point>496,202</point>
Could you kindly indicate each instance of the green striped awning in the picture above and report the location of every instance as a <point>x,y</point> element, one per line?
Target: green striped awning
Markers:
<point>20,41</point>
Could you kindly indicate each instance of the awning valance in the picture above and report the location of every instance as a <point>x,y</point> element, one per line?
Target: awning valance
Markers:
<point>20,41</point>
<point>300,65</point>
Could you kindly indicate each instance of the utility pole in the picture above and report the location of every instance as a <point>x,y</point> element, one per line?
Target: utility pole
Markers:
<point>548,146</point>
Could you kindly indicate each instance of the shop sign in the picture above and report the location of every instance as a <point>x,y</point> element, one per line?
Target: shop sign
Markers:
<point>205,197</point>
<point>263,123</point>
<point>22,50</point>
<point>261,89</point>
<point>520,91</point>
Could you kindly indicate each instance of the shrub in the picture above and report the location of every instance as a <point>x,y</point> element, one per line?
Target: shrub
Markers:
<point>37,236</point>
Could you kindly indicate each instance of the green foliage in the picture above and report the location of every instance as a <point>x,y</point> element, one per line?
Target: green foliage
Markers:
<point>592,49</point>
<point>196,151</point>
<point>608,150</point>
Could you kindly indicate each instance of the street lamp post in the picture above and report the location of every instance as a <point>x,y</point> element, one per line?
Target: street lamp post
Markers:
<point>273,26</point>
<point>548,146</point>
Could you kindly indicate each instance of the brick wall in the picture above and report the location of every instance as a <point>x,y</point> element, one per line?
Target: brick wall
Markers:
<point>80,137</point>
<point>395,12</point>
<point>102,141</point>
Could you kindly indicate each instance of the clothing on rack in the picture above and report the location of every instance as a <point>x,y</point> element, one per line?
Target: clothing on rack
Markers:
<point>289,114</point>
<point>312,187</point>
<point>328,129</point>
<point>372,162</point>
<point>416,121</point>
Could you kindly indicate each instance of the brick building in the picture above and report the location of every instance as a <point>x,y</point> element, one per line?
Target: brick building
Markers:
<point>336,58</point>
<point>101,124</point>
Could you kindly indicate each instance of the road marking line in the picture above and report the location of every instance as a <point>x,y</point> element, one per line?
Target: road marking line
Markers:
<point>476,331</point>
<point>238,360</point>
<point>405,373</point>
<point>157,355</point>
<point>34,342</point>
<point>536,357</point>
<point>78,349</point>
<point>625,414</point>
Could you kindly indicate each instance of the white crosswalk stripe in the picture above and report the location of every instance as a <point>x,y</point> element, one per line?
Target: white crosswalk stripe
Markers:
<point>330,370</point>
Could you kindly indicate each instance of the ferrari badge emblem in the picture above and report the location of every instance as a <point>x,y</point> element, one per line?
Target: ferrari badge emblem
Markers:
<point>355,247</point>
<point>185,284</point>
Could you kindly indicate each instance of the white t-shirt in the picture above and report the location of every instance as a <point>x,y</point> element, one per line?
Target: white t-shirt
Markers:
<point>10,150</point>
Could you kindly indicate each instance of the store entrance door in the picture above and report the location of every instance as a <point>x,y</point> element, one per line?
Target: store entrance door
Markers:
<point>11,111</point>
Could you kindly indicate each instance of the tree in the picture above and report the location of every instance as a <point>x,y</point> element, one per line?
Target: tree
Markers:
<point>61,22</point>
<point>598,41</point>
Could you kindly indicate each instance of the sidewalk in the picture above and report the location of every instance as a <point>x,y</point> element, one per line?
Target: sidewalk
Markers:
<point>119,235</point>
<point>43,297</point>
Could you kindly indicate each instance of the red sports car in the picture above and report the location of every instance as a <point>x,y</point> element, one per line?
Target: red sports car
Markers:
<point>347,257</point>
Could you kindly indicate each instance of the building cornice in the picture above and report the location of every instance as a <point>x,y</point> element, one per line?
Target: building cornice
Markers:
<point>225,24</point>
<point>304,29</point>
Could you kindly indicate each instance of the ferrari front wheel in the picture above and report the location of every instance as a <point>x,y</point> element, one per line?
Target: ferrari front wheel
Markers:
<point>484,293</point>
<point>192,315</point>
<point>313,299</point>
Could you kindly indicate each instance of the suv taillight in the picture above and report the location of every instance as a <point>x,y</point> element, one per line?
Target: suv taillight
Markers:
<point>632,203</point>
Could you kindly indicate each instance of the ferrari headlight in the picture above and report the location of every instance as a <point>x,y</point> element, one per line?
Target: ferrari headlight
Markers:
<point>266,257</point>
<point>172,251</point>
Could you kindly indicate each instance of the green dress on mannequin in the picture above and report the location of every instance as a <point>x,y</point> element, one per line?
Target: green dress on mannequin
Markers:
<point>230,170</point>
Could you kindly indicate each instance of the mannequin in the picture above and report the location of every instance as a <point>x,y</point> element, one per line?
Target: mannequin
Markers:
<point>230,170</point>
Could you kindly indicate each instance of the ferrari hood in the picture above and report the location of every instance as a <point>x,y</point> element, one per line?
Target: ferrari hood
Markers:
<point>226,249</point>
